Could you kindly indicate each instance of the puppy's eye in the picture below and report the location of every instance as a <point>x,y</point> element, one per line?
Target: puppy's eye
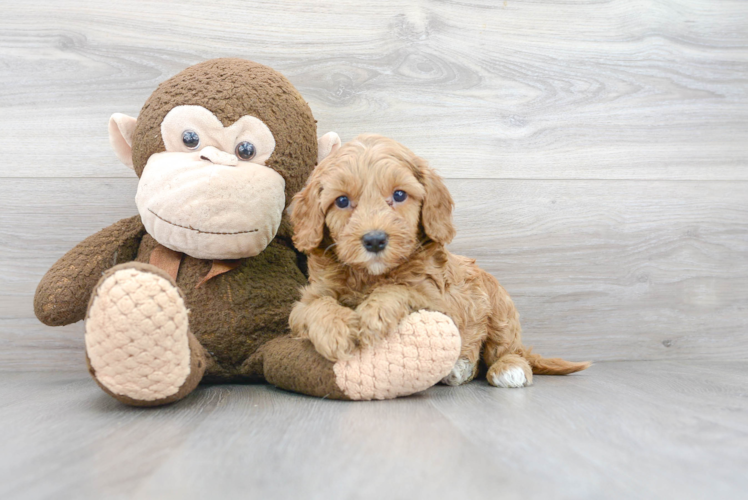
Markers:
<point>342,202</point>
<point>399,196</point>
<point>245,150</point>
<point>190,139</point>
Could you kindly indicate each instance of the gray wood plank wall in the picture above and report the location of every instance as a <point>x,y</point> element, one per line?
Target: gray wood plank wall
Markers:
<point>597,150</point>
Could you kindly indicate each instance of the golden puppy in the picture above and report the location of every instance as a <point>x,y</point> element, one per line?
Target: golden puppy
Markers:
<point>374,219</point>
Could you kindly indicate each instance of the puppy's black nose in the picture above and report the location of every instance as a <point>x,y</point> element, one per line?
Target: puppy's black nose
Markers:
<point>374,241</point>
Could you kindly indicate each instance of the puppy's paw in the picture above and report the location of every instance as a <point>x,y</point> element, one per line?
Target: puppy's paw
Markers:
<point>375,322</point>
<point>462,372</point>
<point>336,337</point>
<point>510,375</point>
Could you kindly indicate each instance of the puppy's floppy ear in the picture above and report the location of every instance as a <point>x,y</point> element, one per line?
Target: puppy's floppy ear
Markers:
<point>436,210</point>
<point>307,216</point>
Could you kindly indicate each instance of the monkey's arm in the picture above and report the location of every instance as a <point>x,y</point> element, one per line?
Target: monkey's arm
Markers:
<point>62,295</point>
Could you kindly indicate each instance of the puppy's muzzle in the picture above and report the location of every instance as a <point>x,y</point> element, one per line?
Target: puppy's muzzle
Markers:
<point>374,241</point>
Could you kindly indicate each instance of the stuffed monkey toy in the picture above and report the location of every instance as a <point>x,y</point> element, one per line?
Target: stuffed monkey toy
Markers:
<point>198,287</point>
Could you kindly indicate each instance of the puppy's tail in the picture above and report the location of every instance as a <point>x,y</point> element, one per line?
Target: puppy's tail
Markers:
<point>553,366</point>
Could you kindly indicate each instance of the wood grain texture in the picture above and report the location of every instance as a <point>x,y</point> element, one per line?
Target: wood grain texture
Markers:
<point>485,89</point>
<point>620,430</point>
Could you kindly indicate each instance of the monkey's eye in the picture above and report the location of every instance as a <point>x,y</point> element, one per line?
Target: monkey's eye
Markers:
<point>399,196</point>
<point>245,150</point>
<point>342,202</point>
<point>190,139</point>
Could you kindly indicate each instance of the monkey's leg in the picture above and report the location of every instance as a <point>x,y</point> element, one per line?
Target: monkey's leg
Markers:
<point>412,358</point>
<point>138,344</point>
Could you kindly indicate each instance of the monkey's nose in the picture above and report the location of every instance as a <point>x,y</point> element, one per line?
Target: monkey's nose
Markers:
<point>215,155</point>
<point>374,241</point>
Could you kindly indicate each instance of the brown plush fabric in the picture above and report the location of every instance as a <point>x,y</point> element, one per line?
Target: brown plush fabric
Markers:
<point>294,365</point>
<point>233,314</point>
<point>63,293</point>
<point>232,88</point>
<point>236,312</point>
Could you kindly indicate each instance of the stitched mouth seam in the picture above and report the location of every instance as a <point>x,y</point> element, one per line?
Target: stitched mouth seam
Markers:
<point>199,230</point>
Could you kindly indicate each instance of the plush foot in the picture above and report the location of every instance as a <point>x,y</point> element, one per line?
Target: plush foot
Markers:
<point>421,350</point>
<point>138,343</point>
<point>412,358</point>
<point>510,371</point>
<point>462,372</point>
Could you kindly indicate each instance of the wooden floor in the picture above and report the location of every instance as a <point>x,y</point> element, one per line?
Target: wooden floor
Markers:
<point>646,429</point>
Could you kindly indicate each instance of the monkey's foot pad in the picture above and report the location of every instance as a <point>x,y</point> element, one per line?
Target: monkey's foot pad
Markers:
<point>137,335</point>
<point>418,354</point>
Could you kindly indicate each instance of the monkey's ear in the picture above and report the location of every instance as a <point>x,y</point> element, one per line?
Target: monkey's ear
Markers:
<point>326,145</point>
<point>121,128</point>
<point>307,217</point>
